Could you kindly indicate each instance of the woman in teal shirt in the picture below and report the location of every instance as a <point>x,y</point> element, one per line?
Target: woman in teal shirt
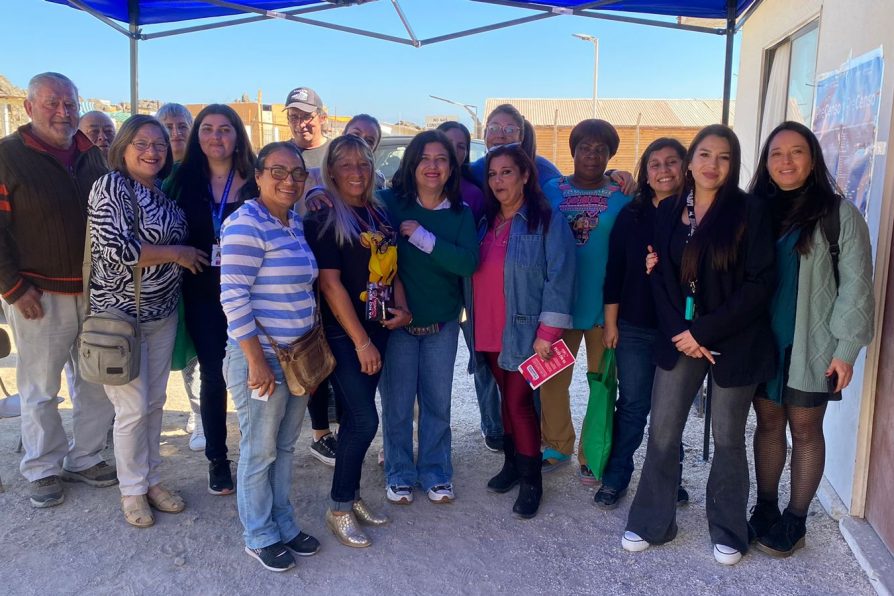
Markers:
<point>590,202</point>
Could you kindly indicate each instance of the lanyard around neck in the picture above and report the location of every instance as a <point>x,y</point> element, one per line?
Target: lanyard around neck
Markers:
<point>690,209</point>
<point>217,218</point>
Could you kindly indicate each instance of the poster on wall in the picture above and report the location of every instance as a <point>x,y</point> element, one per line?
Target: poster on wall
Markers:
<point>846,120</point>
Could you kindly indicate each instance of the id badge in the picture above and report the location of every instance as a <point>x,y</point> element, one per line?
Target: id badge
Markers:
<point>215,255</point>
<point>690,308</point>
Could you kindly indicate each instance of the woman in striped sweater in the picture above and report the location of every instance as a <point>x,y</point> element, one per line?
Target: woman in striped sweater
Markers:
<point>267,276</point>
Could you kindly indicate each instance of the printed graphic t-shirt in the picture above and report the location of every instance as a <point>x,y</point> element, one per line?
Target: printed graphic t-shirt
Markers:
<point>590,213</point>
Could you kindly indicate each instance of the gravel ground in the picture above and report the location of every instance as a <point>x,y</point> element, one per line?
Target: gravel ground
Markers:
<point>474,546</point>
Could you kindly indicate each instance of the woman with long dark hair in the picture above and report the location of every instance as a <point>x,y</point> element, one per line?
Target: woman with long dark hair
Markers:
<point>521,303</point>
<point>215,177</point>
<point>354,242</point>
<point>437,248</point>
<point>630,322</point>
<point>822,316</point>
<point>712,286</point>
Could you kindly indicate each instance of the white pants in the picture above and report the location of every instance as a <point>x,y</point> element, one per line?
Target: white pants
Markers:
<point>44,347</point>
<point>139,408</point>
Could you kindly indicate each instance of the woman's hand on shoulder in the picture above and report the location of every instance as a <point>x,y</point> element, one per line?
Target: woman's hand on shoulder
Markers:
<point>625,180</point>
<point>316,201</point>
<point>191,258</point>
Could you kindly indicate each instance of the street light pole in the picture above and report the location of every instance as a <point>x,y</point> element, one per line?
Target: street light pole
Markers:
<point>472,110</point>
<point>595,42</point>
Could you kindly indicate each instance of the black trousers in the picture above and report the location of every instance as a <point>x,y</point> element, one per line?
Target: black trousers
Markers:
<point>207,325</point>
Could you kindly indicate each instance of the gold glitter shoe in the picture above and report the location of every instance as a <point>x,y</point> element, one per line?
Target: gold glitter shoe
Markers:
<point>345,529</point>
<point>367,516</point>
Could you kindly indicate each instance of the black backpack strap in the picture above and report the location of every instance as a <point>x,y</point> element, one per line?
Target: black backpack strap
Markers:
<point>832,229</point>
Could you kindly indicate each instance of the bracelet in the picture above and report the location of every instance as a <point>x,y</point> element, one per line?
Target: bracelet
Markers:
<point>364,346</point>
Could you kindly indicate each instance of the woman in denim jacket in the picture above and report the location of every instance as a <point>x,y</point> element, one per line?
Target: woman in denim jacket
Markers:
<point>522,298</point>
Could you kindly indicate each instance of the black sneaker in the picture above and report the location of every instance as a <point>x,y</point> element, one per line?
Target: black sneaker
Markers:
<point>324,449</point>
<point>275,557</point>
<point>607,497</point>
<point>303,545</point>
<point>220,477</point>
<point>682,496</point>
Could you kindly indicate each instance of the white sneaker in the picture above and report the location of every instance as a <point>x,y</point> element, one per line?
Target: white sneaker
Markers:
<point>633,543</point>
<point>197,440</point>
<point>399,494</point>
<point>191,422</point>
<point>726,555</point>
<point>441,493</point>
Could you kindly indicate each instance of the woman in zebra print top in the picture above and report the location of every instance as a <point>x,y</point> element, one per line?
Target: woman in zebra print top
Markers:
<point>139,157</point>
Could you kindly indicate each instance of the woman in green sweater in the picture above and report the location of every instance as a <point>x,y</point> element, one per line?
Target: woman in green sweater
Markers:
<point>437,248</point>
<point>822,316</point>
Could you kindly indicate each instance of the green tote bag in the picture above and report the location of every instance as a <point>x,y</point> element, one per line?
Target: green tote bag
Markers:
<point>597,428</point>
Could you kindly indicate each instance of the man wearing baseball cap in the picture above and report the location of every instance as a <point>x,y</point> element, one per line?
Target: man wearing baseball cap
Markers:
<point>307,119</point>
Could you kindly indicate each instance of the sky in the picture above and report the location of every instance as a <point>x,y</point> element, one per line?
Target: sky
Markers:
<point>355,74</point>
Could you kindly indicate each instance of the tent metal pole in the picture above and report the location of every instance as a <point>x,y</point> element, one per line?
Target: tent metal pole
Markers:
<point>133,12</point>
<point>230,23</point>
<point>98,15</point>
<point>486,28</point>
<point>650,22</point>
<point>728,66</point>
<point>288,17</point>
<point>406,22</point>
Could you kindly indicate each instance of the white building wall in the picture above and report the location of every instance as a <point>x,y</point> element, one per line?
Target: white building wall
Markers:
<point>847,28</point>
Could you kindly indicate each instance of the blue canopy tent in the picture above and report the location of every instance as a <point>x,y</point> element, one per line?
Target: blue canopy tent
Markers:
<point>128,16</point>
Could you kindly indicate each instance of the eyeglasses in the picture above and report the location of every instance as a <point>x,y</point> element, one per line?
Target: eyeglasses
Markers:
<point>301,118</point>
<point>142,146</point>
<point>509,130</point>
<point>281,173</point>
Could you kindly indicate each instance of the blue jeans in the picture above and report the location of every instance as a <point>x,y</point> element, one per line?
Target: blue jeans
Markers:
<point>269,431</point>
<point>485,390</point>
<point>635,356</point>
<point>653,512</point>
<point>355,392</point>
<point>418,366</point>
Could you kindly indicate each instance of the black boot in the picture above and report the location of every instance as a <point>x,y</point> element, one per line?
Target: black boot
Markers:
<point>785,537</point>
<point>508,476</point>
<point>531,488</point>
<point>764,514</point>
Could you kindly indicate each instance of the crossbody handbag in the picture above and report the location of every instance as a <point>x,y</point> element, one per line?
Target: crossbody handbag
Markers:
<point>307,361</point>
<point>109,342</point>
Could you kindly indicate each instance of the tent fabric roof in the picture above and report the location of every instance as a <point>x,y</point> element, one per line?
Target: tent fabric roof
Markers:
<point>656,113</point>
<point>153,12</point>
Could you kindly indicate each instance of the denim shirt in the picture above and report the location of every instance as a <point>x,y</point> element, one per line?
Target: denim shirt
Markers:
<point>538,285</point>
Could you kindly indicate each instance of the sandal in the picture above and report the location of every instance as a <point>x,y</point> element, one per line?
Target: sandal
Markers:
<point>136,511</point>
<point>553,460</point>
<point>165,501</point>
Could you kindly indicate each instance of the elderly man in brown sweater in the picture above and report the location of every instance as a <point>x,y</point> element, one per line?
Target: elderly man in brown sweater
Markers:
<point>47,168</point>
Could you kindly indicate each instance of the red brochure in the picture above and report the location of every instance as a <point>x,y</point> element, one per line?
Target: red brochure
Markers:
<point>538,371</point>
